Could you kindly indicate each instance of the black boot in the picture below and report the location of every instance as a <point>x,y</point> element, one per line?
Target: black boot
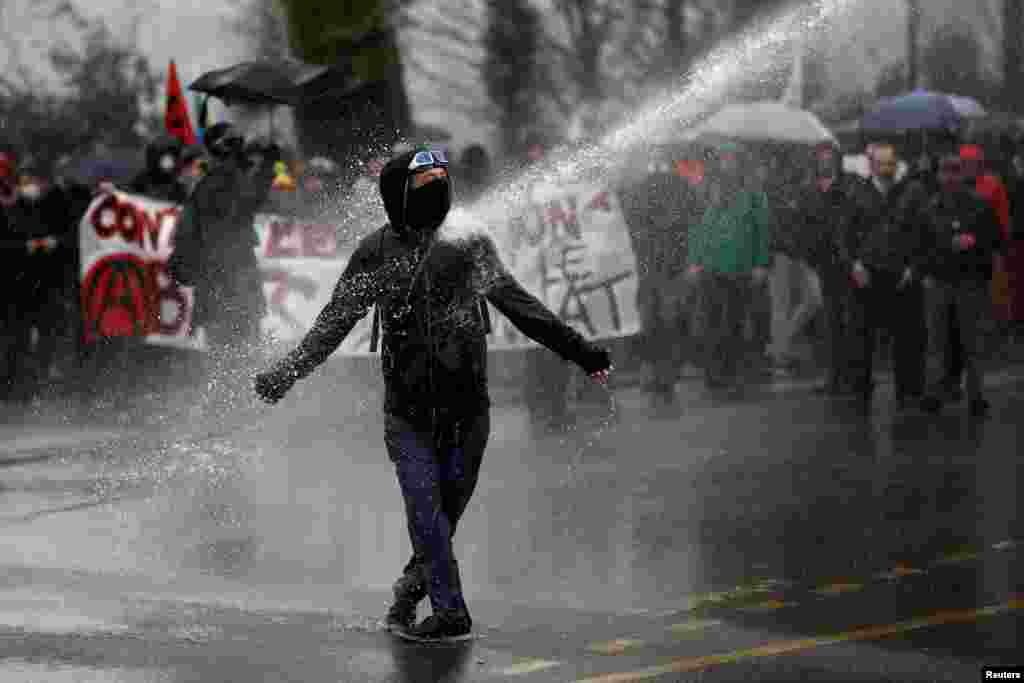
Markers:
<point>448,625</point>
<point>409,590</point>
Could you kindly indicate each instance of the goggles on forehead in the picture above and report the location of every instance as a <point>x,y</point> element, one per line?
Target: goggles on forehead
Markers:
<point>428,159</point>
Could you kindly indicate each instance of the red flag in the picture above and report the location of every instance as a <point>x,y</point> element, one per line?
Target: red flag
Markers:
<point>176,118</point>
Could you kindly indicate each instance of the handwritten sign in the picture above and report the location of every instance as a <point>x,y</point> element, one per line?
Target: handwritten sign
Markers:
<point>567,245</point>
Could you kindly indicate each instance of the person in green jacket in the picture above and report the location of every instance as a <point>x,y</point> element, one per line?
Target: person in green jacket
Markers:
<point>729,254</point>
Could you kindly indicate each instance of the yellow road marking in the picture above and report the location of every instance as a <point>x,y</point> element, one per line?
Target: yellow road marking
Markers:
<point>839,588</point>
<point>530,666</point>
<point>615,647</point>
<point>958,557</point>
<point>688,664</point>
<point>766,606</point>
<point>898,572</point>
<point>694,626</point>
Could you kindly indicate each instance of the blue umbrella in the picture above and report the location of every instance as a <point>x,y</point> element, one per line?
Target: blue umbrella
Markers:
<point>921,110</point>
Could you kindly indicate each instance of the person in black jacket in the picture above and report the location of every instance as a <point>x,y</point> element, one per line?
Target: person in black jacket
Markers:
<point>215,242</point>
<point>965,233</point>
<point>887,276</point>
<point>829,217</point>
<point>160,180</point>
<point>44,241</point>
<point>429,294</point>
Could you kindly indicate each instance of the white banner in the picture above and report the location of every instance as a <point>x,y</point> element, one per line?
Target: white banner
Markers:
<point>569,246</point>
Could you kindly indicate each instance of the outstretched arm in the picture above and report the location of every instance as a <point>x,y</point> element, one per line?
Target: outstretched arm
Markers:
<point>355,293</point>
<point>538,323</point>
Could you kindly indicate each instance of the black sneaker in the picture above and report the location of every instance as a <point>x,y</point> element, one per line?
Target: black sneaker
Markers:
<point>409,591</point>
<point>439,628</point>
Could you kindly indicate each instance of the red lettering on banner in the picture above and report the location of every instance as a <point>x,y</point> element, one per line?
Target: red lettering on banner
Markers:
<point>168,292</point>
<point>130,221</point>
<point>556,215</point>
<point>319,240</point>
<point>290,239</point>
<point>282,242</point>
<point>119,298</point>
<point>600,201</point>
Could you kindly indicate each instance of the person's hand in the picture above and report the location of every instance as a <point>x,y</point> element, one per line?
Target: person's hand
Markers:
<point>271,386</point>
<point>860,275</point>
<point>694,271</point>
<point>602,376</point>
<point>760,274</point>
<point>928,282</point>
<point>964,241</point>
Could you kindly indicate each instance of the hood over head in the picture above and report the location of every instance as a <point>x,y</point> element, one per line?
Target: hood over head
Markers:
<point>394,190</point>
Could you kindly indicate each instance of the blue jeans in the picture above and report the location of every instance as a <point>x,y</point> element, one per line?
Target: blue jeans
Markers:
<point>437,474</point>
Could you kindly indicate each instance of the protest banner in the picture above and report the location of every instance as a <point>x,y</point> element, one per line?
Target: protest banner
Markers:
<point>567,245</point>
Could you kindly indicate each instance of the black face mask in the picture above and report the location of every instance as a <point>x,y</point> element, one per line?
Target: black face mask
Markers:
<point>427,206</point>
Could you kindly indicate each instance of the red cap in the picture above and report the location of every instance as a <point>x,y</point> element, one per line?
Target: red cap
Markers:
<point>972,153</point>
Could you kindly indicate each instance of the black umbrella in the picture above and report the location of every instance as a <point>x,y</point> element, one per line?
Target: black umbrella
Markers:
<point>274,81</point>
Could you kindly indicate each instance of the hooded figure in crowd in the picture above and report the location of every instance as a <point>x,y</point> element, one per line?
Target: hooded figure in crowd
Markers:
<point>40,250</point>
<point>215,241</point>
<point>160,178</point>
<point>430,296</point>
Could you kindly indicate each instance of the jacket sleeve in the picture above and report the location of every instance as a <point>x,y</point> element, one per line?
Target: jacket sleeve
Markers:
<point>538,323</point>
<point>355,293</point>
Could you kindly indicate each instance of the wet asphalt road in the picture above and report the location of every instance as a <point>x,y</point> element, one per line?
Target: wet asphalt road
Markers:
<point>773,536</point>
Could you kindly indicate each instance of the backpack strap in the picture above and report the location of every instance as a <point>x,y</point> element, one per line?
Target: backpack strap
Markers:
<point>375,334</point>
<point>485,315</point>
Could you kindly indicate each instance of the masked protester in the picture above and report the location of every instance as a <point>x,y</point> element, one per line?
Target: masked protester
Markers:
<point>160,179</point>
<point>216,239</point>
<point>965,233</point>
<point>430,297</point>
<point>887,278</point>
<point>42,242</point>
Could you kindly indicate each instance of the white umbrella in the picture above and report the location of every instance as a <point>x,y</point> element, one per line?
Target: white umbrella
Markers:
<point>766,122</point>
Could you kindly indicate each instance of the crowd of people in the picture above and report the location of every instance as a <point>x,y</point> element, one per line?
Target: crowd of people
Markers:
<point>220,184</point>
<point>904,256</point>
<point>736,261</point>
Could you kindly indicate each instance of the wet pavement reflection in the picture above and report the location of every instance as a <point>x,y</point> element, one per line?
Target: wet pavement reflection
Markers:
<point>635,515</point>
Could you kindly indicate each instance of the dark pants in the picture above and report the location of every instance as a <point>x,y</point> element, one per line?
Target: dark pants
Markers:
<point>962,311</point>
<point>843,360</point>
<point>437,475</point>
<point>663,307</point>
<point>952,351</point>
<point>885,306</point>
<point>727,300</point>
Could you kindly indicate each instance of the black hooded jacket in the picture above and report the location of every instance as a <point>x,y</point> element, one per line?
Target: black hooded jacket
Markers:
<point>430,295</point>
